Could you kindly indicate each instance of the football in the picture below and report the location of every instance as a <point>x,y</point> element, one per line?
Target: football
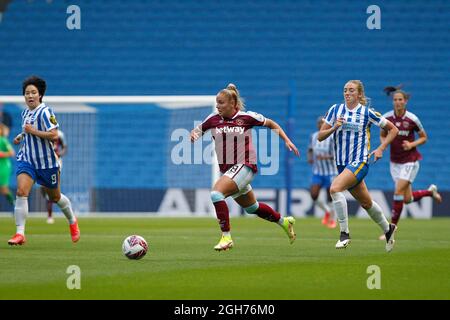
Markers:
<point>134,247</point>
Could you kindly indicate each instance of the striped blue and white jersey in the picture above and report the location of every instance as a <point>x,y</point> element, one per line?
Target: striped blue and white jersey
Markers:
<point>325,148</point>
<point>352,139</point>
<point>37,151</point>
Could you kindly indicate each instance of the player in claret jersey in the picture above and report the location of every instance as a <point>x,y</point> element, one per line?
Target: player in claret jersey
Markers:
<point>404,154</point>
<point>230,128</point>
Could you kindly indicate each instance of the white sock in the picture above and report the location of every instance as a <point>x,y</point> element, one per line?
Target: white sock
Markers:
<point>66,207</point>
<point>322,205</point>
<point>377,215</point>
<point>20,214</point>
<point>340,206</point>
<point>281,221</point>
<point>226,234</point>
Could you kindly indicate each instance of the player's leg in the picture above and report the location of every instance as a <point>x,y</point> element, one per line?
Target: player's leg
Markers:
<point>402,194</point>
<point>49,179</point>
<point>223,188</point>
<point>314,190</point>
<point>345,180</point>
<point>49,205</point>
<point>362,195</point>
<point>24,184</point>
<point>332,218</point>
<point>247,200</point>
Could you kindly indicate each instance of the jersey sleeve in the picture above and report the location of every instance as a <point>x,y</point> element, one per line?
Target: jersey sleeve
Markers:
<point>310,145</point>
<point>330,116</point>
<point>48,120</point>
<point>419,126</point>
<point>376,118</point>
<point>62,138</point>
<point>256,119</point>
<point>206,124</point>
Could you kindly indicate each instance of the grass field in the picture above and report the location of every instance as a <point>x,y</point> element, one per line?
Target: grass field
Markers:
<point>181,263</point>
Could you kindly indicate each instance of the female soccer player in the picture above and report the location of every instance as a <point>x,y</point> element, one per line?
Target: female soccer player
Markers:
<point>321,157</point>
<point>36,160</point>
<point>350,125</point>
<point>404,155</point>
<point>230,128</point>
<point>6,152</point>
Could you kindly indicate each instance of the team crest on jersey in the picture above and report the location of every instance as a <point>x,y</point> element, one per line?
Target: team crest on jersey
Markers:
<point>240,122</point>
<point>406,124</point>
<point>53,120</point>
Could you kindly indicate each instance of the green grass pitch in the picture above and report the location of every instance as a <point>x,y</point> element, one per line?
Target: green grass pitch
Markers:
<point>181,262</point>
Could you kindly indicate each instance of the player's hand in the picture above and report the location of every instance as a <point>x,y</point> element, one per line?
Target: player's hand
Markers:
<point>377,155</point>
<point>292,148</point>
<point>339,122</point>
<point>28,128</point>
<point>18,138</point>
<point>407,145</point>
<point>195,134</point>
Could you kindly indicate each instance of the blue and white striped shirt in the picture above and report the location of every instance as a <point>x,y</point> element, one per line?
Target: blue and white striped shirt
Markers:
<point>37,151</point>
<point>323,148</point>
<point>352,139</point>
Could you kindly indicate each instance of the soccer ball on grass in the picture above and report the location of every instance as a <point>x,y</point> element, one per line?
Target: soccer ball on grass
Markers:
<point>134,247</point>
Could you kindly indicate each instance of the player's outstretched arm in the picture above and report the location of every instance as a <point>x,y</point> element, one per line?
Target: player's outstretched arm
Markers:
<point>392,133</point>
<point>275,126</point>
<point>49,135</point>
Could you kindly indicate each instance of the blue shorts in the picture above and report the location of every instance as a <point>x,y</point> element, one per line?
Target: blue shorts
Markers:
<point>359,169</point>
<point>323,181</point>
<point>45,177</point>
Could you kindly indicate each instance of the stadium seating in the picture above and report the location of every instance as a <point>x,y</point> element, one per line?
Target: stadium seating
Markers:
<point>197,47</point>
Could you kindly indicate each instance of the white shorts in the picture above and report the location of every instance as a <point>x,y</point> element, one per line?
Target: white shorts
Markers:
<point>404,171</point>
<point>242,176</point>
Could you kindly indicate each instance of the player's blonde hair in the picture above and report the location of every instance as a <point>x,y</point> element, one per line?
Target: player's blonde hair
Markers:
<point>232,93</point>
<point>360,86</point>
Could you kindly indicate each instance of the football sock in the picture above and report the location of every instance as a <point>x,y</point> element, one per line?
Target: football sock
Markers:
<point>397,207</point>
<point>222,213</point>
<point>340,206</point>
<point>419,194</point>
<point>20,213</point>
<point>267,213</point>
<point>66,207</point>
<point>377,215</point>
<point>49,208</point>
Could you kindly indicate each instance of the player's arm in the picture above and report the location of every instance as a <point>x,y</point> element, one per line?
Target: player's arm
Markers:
<point>392,132</point>
<point>383,135</point>
<point>275,126</point>
<point>421,140</point>
<point>327,130</point>
<point>18,139</point>
<point>49,135</point>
